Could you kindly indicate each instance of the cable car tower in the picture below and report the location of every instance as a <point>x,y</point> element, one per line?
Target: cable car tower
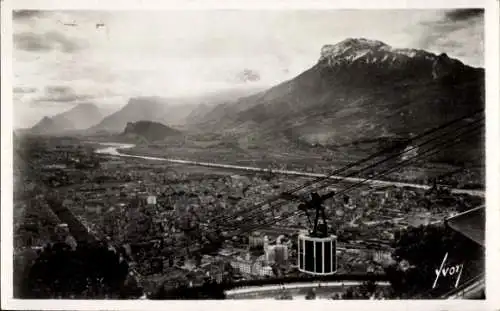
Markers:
<point>317,249</point>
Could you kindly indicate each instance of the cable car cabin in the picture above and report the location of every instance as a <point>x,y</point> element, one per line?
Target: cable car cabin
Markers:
<point>317,255</point>
<point>317,249</point>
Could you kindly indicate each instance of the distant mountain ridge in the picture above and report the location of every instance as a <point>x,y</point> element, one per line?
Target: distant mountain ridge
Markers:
<point>137,109</point>
<point>78,118</point>
<point>172,111</point>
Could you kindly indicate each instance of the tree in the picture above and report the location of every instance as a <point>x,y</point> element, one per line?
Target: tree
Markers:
<point>90,271</point>
<point>349,294</point>
<point>311,294</point>
<point>368,288</point>
<point>198,258</point>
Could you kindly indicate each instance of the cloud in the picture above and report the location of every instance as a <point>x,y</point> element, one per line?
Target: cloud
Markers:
<point>464,14</point>
<point>57,89</point>
<point>247,75</point>
<point>61,94</point>
<point>24,90</point>
<point>26,14</point>
<point>459,33</point>
<point>48,41</point>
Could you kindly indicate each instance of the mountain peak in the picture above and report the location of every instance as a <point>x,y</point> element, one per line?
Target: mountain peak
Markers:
<point>368,51</point>
<point>350,45</point>
<point>358,43</point>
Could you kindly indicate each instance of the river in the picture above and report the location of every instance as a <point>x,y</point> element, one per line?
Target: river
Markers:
<point>113,149</point>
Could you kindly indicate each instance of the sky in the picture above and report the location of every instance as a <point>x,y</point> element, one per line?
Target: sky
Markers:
<point>62,58</point>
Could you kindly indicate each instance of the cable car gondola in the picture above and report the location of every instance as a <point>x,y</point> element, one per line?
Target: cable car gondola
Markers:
<point>317,249</point>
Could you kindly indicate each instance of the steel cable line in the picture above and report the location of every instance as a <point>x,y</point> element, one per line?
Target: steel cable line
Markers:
<point>279,205</point>
<point>386,172</point>
<point>266,224</point>
<point>254,209</point>
<point>389,149</point>
<point>378,154</point>
<point>461,137</point>
<point>400,165</point>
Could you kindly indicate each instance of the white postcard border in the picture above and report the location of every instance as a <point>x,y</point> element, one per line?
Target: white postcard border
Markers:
<point>492,158</point>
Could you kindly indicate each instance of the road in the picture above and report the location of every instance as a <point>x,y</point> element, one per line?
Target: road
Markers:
<point>267,288</point>
<point>112,149</point>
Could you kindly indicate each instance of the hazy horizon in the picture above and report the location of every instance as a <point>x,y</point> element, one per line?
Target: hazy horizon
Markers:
<point>62,58</point>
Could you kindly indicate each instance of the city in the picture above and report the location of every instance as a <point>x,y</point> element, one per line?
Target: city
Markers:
<point>158,217</point>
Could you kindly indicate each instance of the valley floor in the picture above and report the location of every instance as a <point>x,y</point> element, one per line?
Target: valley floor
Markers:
<point>318,161</point>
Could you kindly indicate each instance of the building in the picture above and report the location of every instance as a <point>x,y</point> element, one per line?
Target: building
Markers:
<point>243,266</point>
<point>71,242</point>
<point>59,166</point>
<point>256,240</point>
<point>251,265</point>
<point>383,257</point>
<point>276,254</point>
<point>112,164</point>
<point>151,200</point>
<point>189,265</point>
<point>281,254</point>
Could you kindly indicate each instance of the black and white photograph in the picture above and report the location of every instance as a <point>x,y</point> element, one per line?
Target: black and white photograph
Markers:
<point>248,154</point>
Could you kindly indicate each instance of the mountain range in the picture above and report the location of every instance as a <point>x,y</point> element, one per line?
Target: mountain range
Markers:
<point>172,111</point>
<point>155,109</point>
<point>359,91</point>
<point>89,119</point>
